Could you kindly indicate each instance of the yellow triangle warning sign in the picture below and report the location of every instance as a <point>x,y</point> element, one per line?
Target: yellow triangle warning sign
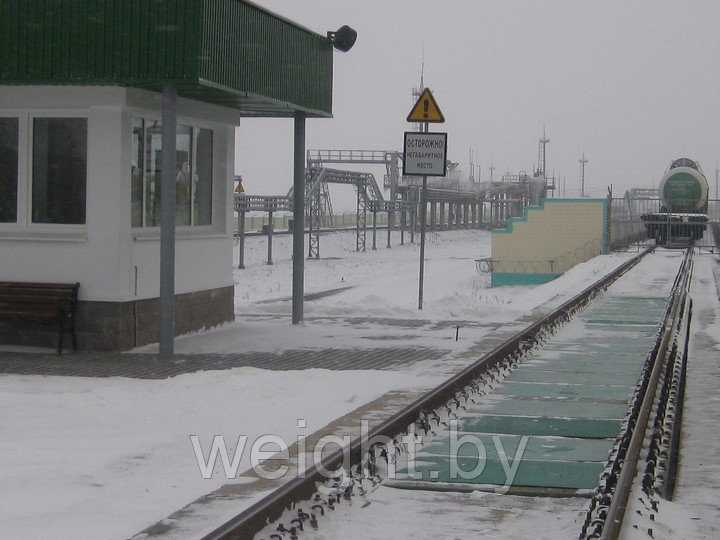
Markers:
<point>426,109</point>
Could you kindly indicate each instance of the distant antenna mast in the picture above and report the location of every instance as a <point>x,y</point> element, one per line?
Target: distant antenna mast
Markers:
<point>472,165</point>
<point>541,155</point>
<point>417,92</point>
<point>582,162</point>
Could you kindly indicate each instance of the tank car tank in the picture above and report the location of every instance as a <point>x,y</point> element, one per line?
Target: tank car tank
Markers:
<point>682,218</point>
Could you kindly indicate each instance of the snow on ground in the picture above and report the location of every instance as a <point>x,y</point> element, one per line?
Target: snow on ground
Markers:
<point>104,458</point>
<point>385,282</point>
<point>425,515</point>
<point>377,284</point>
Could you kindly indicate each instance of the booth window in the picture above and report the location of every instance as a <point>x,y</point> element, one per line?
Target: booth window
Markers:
<point>59,170</point>
<point>8,169</point>
<point>193,174</point>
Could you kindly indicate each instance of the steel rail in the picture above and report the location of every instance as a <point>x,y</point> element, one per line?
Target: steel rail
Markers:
<point>621,494</point>
<point>255,518</point>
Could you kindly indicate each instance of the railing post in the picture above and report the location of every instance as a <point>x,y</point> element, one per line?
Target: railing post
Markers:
<point>271,226</point>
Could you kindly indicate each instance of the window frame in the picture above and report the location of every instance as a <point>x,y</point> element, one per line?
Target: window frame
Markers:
<point>149,118</point>
<point>31,171</point>
<point>24,226</point>
<point>21,186</point>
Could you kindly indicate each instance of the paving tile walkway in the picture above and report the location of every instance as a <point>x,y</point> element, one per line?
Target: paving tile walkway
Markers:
<point>393,351</point>
<point>149,366</point>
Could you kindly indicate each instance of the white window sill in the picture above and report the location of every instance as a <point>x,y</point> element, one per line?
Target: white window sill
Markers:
<point>44,234</point>
<point>181,233</point>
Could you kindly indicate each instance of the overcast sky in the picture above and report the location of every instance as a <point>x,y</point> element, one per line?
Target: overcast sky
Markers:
<point>633,83</point>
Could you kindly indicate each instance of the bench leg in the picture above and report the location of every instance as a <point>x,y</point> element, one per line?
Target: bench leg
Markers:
<point>61,328</point>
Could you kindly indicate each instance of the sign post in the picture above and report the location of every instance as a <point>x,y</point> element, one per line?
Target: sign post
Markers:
<point>424,154</point>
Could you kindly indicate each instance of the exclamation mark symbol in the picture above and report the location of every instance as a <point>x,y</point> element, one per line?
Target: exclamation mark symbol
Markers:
<point>426,104</point>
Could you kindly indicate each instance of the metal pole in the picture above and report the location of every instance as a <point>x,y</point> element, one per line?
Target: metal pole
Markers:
<point>413,219</point>
<point>374,247</point>
<point>298,218</point>
<point>167,221</point>
<point>423,219</point>
<point>241,240</point>
<point>270,234</point>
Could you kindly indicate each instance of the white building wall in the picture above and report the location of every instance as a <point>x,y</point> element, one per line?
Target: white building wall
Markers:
<point>103,254</point>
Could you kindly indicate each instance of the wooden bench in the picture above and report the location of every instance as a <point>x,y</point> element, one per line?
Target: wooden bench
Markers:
<point>43,302</point>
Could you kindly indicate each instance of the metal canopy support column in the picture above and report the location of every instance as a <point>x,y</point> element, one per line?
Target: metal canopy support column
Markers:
<point>167,222</point>
<point>433,209</point>
<point>442,216</point>
<point>271,226</point>
<point>241,240</point>
<point>298,279</point>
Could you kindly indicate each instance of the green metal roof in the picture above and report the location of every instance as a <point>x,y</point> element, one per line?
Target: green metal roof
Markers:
<point>228,52</point>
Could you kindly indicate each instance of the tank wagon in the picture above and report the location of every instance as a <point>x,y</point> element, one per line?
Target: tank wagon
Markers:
<point>683,205</point>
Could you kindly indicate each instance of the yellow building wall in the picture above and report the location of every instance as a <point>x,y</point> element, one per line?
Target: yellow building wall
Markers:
<point>548,240</point>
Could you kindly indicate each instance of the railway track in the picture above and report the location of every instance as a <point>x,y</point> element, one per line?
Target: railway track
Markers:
<point>645,455</point>
<point>607,500</point>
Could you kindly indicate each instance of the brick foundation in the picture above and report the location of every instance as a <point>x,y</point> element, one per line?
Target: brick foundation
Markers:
<point>119,326</point>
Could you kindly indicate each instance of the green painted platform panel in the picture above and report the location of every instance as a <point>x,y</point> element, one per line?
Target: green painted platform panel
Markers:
<point>471,445</point>
<point>555,390</point>
<point>584,367</point>
<point>552,408</point>
<point>545,474</point>
<point>594,428</point>
<point>571,377</point>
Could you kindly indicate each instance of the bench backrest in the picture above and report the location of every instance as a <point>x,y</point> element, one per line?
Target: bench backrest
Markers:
<point>36,296</point>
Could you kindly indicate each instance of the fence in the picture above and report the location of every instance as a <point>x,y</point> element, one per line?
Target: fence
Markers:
<point>282,221</point>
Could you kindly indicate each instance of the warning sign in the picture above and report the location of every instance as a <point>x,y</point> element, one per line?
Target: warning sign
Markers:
<point>425,154</point>
<point>426,109</point>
